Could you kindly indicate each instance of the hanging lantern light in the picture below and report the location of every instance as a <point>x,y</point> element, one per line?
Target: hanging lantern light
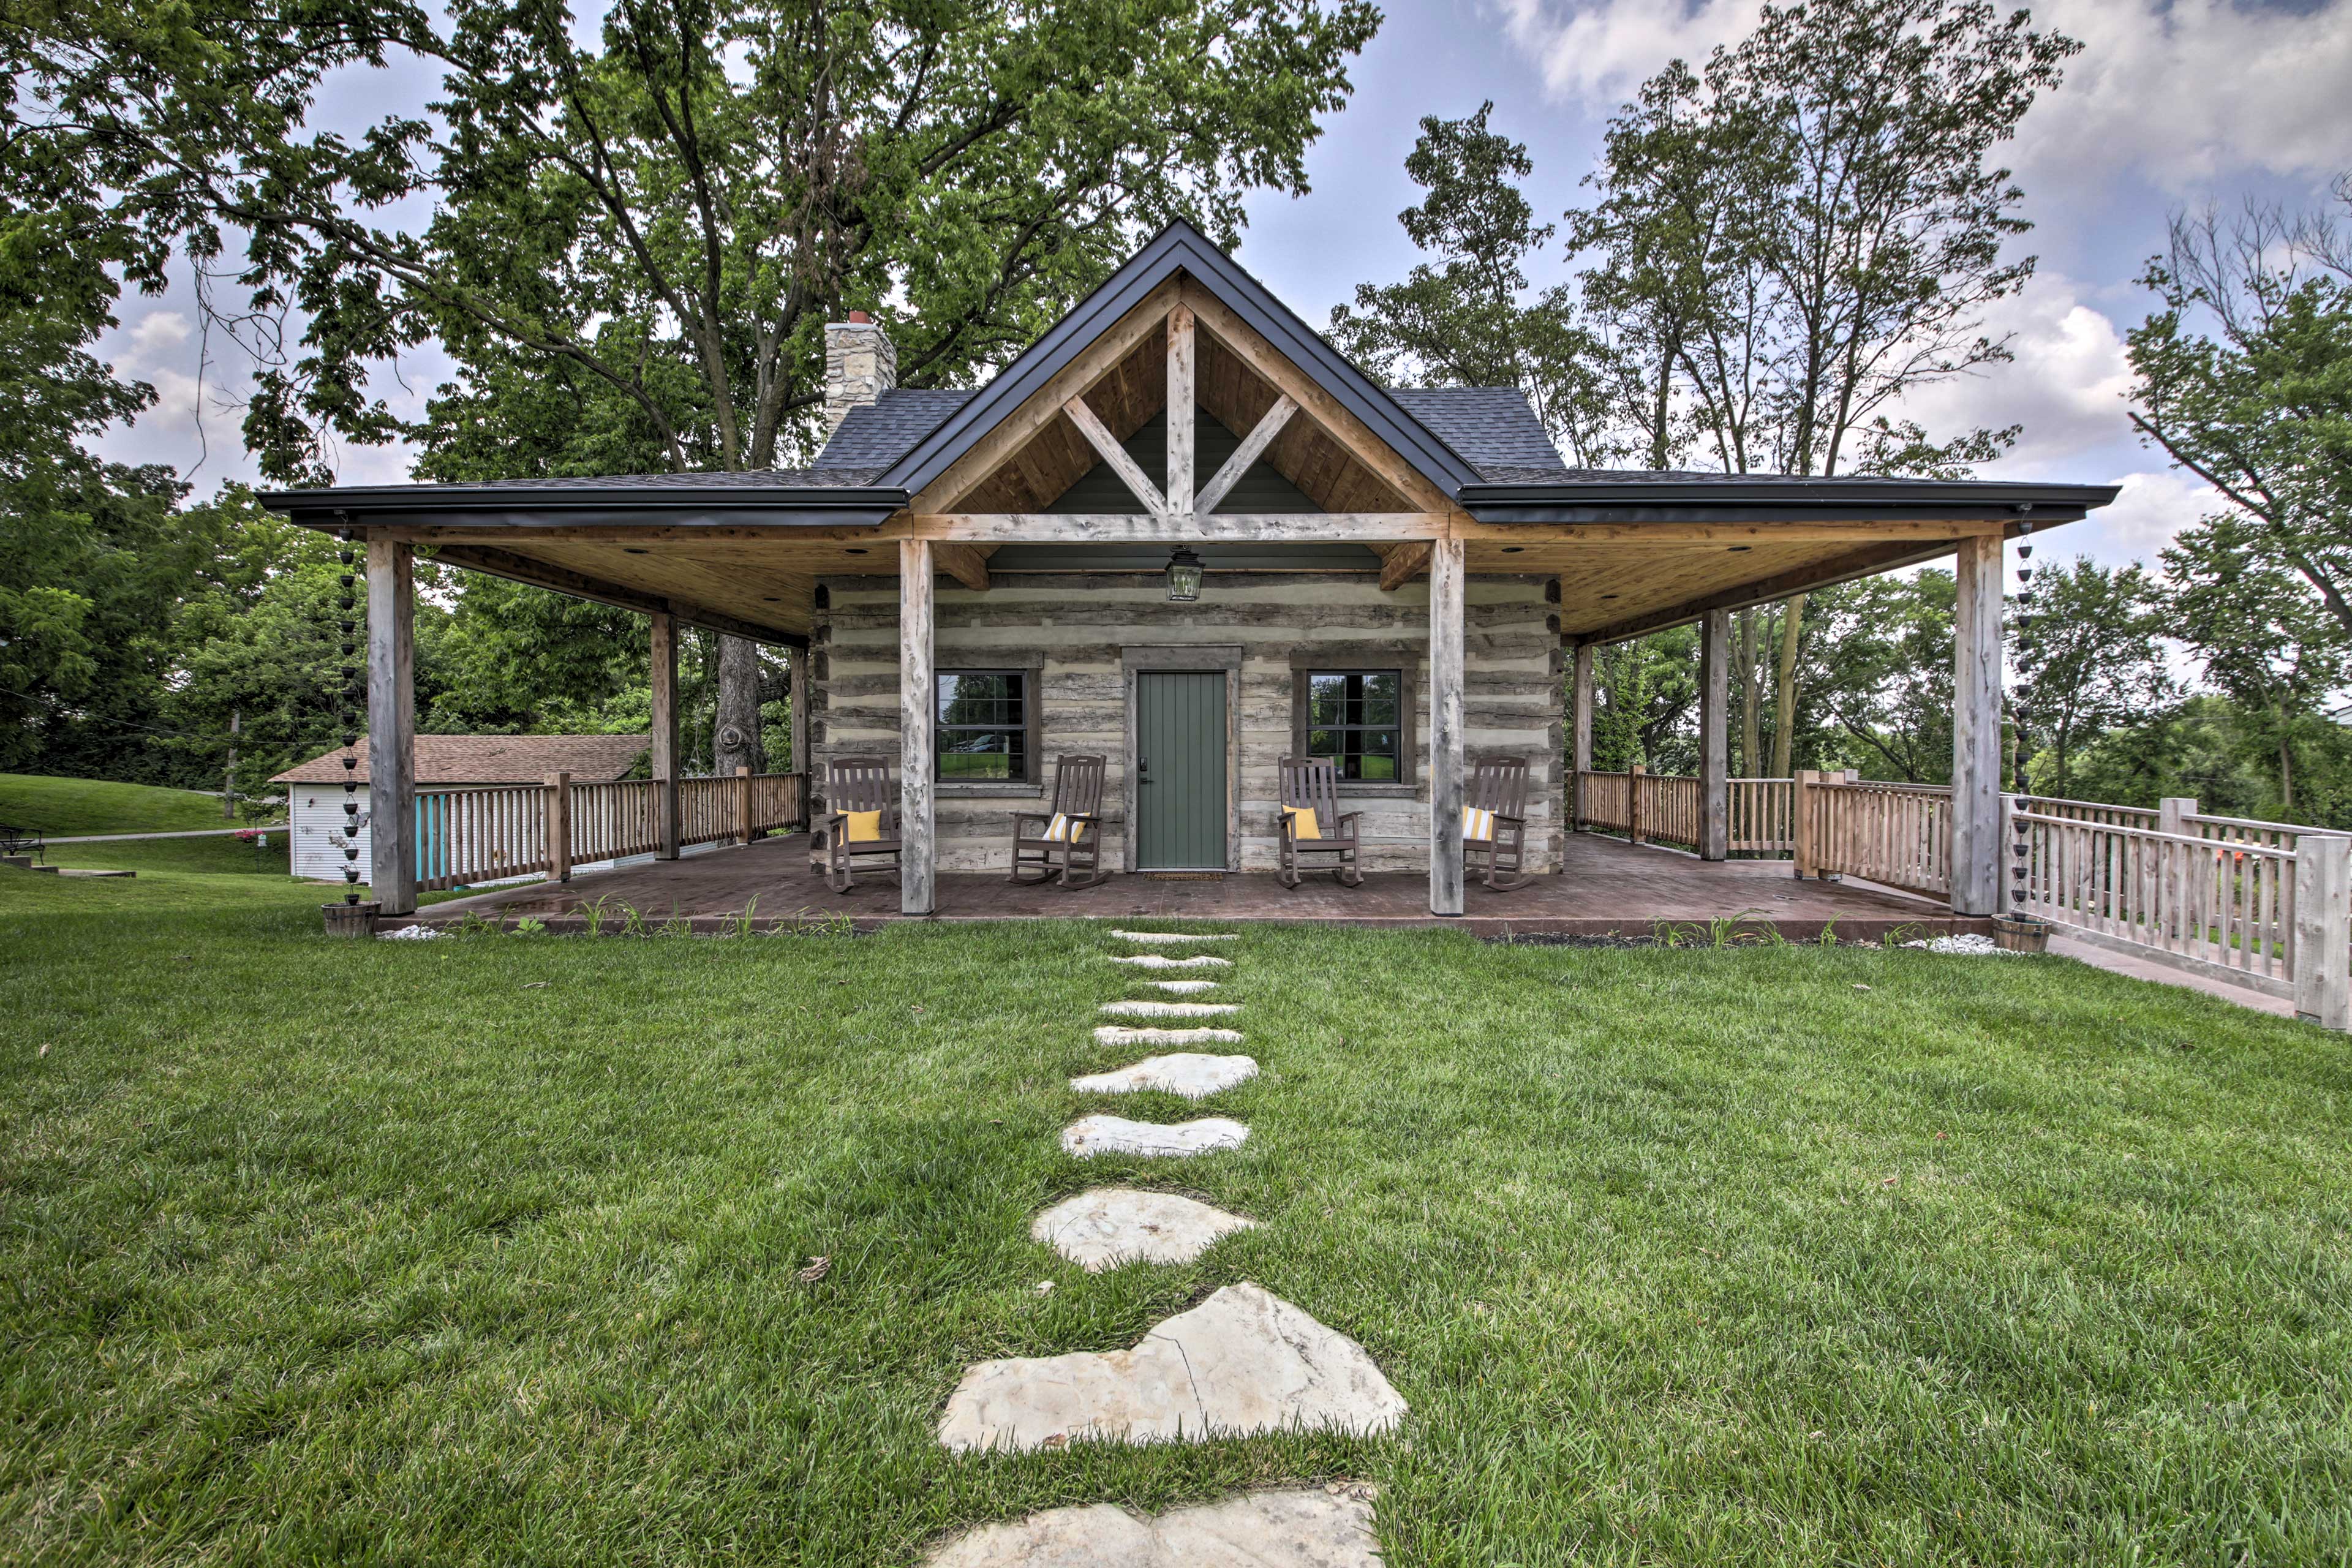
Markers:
<point>1183,576</point>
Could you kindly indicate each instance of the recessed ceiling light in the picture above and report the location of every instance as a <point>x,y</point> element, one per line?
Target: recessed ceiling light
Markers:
<point>1737,548</point>
<point>632,550</point>
<point>856,549</point>
<point>1607,595</point>
<point>770,599</point>
<point>1514,549</point>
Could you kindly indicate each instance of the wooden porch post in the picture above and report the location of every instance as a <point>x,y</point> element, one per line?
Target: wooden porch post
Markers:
<point>917,869</point>
<point>1803,852</point>
<point>744,804</point>
<point>1634,775</point>
<point>664,727</point>
<point>2323,931</point>
<point>392,725</point>
<point>796,667</point>
<point>1581,748</point>
<point>1714,736</point>
<point>1445,791</point>
<point>559,827</point>
<point>1976,730</point>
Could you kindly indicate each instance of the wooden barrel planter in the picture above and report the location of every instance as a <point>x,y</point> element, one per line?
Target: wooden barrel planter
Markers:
<point>2020,934</point>
<point>351,920</point>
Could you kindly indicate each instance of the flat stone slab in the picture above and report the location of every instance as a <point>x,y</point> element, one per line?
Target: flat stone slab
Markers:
<point>1098,1134</point>
<point>1176,936</point>
<point>1170,1009</point>
<point>1188,1073</point>
<point>1291,1528</point>
<point>1244,1361</point>
<point>1110,1225</point>
<point>1117,1035</point>
<point>1161,961</point>
<point>1183,987</point>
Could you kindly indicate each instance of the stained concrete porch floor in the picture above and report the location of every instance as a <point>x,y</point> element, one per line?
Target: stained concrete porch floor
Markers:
<point>1606,887</point>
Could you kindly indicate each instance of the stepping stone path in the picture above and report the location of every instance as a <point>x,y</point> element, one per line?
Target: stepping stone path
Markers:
<point>1110,1225</point>
<point>1188,1073</point>
<point>1098,1134</point>
<point>1162,938</point>
<point>1243,1362</point>
<point>1291,1528</point>
<point>1170,1009</point>
<point>1116,1034</point>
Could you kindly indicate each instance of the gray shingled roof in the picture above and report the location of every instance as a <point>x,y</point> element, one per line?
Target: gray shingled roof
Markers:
<point>876,434</point>
<point>1490,428</point>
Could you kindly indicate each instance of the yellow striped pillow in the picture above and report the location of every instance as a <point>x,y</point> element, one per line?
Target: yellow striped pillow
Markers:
<point>1062,830</point>
<point>1302,822</point>
<point>1477,827</point>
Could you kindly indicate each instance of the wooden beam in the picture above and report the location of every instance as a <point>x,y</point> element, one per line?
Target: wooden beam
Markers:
<point>392,726</point>
<point>557,579</point>
<point>1252,448</point>
<point>1403,564</point>
<point>1446,635</point>
<point>663,664</point>
<point>1144,528</point>
<point>1976,730</point>
<point>1793,530</point>
<point>964,562</point>
<point>1269,365</point>
<point>1865,563</point>
<point>918,866</point>
<point>1108,449</point>
<point>1043,408</point>
<point>1579,754</point>
<point>1181,397</point>
<point>1714,736</point>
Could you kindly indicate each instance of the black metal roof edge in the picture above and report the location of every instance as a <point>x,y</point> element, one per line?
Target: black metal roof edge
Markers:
<point>474,505</point>
<point>1181,247</point>
<point>1875,494</point>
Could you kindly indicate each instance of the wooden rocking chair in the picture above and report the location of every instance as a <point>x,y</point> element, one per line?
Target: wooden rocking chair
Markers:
<point>859,784</point>
<point>1311,786</point>
<point>1497,800</point>
<point>1077,817</point>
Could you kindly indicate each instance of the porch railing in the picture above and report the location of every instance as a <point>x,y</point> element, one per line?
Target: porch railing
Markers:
<point>1896,834</point>
<point>1668,808</point>
<point>490,834</point>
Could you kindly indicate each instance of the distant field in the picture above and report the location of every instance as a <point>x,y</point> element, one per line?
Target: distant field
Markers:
<point>62,807</point>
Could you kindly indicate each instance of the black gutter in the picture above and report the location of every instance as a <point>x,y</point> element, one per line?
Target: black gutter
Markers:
<point>1781,500</point>
<point>527,506</point>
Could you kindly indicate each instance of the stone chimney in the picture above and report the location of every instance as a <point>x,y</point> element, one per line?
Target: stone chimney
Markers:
<point>861,363</point>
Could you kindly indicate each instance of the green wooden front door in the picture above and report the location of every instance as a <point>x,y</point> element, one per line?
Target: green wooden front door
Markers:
<point>1179,780</point>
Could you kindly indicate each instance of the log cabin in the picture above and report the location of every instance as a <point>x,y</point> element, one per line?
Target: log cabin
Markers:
<point>1183,532</point>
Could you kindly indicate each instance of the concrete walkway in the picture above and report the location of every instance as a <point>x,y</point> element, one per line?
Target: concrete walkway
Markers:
<point>196,832</point>
<point>2164,975</point>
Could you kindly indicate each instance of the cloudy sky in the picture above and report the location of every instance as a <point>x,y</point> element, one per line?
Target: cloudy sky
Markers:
<point>2169,105</point>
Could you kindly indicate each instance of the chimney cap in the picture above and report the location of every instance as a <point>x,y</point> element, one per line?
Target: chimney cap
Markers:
<point>859,318</point>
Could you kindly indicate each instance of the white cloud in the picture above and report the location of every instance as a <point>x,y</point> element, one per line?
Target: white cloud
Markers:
<point>2067,385</point>
<point>2155,505</point>
<point>2176,91</point>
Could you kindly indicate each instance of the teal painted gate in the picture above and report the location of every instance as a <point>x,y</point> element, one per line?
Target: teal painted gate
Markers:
<point>1180,784</point>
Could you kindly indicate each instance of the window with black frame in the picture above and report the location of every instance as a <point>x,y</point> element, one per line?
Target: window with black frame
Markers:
<point>984,726</point>
<point>1352,718</point>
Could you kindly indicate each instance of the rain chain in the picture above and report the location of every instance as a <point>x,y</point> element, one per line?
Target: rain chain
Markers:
<point>354,692</point>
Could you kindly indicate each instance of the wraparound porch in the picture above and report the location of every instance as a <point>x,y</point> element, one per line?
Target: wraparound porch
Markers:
<point>1606,886</point>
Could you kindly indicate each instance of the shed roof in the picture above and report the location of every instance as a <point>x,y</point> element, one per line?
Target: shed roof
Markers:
<point>493,759</point>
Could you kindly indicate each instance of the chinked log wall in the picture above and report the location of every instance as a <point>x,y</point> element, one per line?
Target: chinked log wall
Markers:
<point>1076,628</point>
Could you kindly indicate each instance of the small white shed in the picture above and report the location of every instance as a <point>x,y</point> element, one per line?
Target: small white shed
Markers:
<point>314,790</point>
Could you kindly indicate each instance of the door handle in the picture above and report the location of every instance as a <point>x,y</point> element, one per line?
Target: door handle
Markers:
<point>1143,770</point>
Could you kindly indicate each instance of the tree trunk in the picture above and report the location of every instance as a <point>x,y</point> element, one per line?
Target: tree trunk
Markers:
<point>1784,704</point>
<point>1751,741</point>
<point>735,734</point>
<point>2286,773</point>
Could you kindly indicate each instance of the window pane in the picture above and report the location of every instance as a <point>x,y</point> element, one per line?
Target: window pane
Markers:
<point>1324,696</point>
<point>982,730</point>
<point>986,697</point>
<point>1323,743</point>
<point>1382,769</point>
<point>1381,698</point>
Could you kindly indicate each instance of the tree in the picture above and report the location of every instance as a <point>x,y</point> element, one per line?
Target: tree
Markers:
<point>2086,660</point>
<point>1814,228</point>
<point>2263,634</point>
<point>1881,670</point>
<point>1466,321</point>
<point>659,223</point>
<point>2244,378</point>
<point>1645,693</point>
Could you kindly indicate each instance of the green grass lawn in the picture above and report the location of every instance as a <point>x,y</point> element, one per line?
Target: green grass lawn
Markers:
<point>60,807</point>
<point>484,1250</point>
